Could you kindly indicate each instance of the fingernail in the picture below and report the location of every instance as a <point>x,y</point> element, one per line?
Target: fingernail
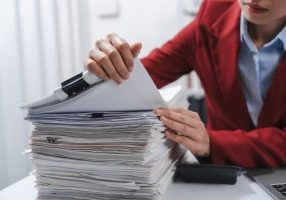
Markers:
<point>130,69</point>
<point>119,81</point>
<point>127,76</point>
<point>158,112</point>
<point>105,78</point>
<point>163,118</point>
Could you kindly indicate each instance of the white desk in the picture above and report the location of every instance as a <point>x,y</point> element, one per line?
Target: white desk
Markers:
<point>244,189</point>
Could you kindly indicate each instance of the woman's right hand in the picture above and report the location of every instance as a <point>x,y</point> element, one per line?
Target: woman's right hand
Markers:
<point>112,58</point>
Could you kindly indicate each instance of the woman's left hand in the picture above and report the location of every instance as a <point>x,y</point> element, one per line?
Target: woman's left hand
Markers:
<point>189,128</point>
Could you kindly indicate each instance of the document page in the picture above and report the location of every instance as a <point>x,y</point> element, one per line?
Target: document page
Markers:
<point>137,93</point>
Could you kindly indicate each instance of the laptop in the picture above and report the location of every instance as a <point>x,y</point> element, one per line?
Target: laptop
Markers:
<point>273,181</point>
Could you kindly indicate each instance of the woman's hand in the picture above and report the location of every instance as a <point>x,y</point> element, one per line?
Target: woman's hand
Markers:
<point>112,58</point>
<point>189,130</point>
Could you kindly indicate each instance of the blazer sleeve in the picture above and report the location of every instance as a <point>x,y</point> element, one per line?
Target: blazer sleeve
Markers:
<point>257,148</point>
<point>175,58</point>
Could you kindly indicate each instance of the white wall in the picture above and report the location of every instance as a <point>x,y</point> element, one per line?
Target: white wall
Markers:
<point>37,50</point>
<point>45,41</point>
<point>13,131</point>
<point>151,22</point>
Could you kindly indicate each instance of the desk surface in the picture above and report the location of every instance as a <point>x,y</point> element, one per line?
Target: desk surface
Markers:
<point>244,189</point>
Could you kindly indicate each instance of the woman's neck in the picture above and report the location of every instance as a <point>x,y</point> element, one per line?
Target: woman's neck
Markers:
<point>262,34</point>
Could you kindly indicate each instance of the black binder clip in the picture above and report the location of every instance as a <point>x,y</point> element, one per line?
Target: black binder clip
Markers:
<point>74,85</point>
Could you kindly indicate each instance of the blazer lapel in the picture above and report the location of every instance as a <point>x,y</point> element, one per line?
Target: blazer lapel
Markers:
<point>275,103</point>
<point>225,44</point>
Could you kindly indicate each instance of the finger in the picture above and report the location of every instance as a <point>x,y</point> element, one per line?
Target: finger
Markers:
<point>188,143</point>
<point>184,111</point>
<point>176,138</point>
<point>181,140</point>
<point>114,56</point>
<point>190,113</point>
<point>174,115</point>
<point>184,129</point>
<point>124,49</point>
<point>93,67</point>
<point>103,60</point>
<point>136,48</point>
<point>181,118</point>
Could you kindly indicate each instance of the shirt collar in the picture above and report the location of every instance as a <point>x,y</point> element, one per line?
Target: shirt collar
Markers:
<point>244,33</point>
<point>243,27</point>
<point>282,37</point>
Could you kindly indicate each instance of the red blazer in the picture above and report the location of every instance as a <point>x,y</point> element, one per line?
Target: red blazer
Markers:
<point>210,46</point>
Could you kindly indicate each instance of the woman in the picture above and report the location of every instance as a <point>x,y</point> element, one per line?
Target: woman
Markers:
<point>237,47</point>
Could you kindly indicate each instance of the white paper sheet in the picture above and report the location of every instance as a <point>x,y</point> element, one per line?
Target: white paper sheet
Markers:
<point>137,93</point>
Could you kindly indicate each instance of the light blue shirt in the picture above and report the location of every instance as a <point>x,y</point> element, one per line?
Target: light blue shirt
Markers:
<point>257,66</point>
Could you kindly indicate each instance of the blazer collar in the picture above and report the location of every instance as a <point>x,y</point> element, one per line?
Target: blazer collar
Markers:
<point>228,23</point>
<point>274,105</point>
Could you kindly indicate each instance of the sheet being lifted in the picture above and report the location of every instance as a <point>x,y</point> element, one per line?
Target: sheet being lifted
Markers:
<point>137,93</point>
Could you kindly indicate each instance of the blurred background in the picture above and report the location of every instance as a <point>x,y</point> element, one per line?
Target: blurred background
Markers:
<point>43,42</point>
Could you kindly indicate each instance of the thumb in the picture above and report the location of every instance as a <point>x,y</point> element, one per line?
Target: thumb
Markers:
<point>136,48</point>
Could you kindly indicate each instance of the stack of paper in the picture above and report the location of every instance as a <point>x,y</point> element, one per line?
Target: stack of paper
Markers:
<point>105,143</point>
